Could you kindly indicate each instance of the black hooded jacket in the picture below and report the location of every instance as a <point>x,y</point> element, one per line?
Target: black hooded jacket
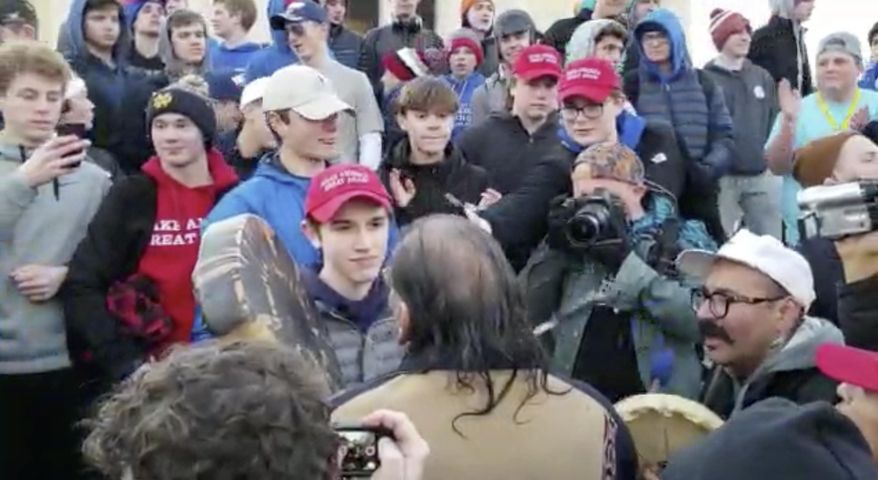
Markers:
<point>432,182</point>
<point>774,48</point>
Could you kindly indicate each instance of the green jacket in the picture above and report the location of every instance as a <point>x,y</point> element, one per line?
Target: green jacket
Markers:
<point>563,288</point>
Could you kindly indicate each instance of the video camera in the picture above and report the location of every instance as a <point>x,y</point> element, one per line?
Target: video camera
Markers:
<point>836,211</point>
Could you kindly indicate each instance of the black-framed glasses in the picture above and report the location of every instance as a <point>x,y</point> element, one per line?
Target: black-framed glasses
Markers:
<point>719,302</point>
<point>654,37</point>
<point>591,111</point>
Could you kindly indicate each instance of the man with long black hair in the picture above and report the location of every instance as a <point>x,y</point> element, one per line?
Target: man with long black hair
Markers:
<point>474,379</point>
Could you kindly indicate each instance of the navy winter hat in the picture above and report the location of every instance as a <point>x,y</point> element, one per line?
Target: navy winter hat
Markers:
<point>222,87</point>
<point>132,9</point>
<point>188,104</point>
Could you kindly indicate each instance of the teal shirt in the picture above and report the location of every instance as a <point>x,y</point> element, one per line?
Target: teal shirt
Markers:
<point>811,126</point>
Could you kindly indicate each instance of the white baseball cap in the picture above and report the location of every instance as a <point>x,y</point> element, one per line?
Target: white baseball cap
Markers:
<point>254,91</point>
<point>762,253</point>
<point>304,90</point>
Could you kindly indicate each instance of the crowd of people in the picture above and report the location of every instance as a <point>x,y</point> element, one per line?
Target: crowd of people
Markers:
<point>500,234</point>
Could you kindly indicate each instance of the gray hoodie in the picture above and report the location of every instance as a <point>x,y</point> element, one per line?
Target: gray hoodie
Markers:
<point>36,227</point>
<point>751,97</point>
<point>582,43</point>
<point>174,67</point>
<point>797,354</point>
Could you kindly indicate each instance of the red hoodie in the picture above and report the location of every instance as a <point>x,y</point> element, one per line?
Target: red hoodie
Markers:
<point>173,248</point>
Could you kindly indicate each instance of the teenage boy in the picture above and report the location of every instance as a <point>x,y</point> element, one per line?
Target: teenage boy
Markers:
<point>231,21</point>
<point>360,128</point>
<point>602,38</point>
<point>344,43</point>
<point>304,120</point>
<point>47,197</point>
<point>134,267</point>
<point>750,192</point>
<point>97,44</point>
<point>464,56</point>
<point>144,21</point>
<point>870,77</point>
<point>406,29</point>
<point>515,30</point>
<point>255,139</point>
<point>424,172</point>
<point>348,218</point>
<point>18,21</point>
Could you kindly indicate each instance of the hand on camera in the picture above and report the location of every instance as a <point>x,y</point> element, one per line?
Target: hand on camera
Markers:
<point>403,457</point>
<point>859,256</point>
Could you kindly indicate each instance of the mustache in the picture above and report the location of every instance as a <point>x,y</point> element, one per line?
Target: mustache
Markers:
<point>709,329</point>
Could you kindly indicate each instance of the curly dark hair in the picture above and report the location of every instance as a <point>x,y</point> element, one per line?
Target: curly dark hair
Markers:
<point>241,411</point>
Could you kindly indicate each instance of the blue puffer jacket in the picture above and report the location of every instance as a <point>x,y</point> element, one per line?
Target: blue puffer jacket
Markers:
<point>274,57</point>
<point>870,78</point>
<point>464,90</point>
<point>698,113</point>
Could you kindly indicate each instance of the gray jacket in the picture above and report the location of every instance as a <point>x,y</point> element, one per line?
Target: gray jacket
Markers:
<point>491,97</point>
<point>751,97</point>
<point>362,356</point>
<point>36,227</point>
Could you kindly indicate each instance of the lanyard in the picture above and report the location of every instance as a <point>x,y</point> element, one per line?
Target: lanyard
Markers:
<point>821,103</point>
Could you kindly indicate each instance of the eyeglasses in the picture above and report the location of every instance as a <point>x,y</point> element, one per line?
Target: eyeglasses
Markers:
<point>591,111</point>
<point>719,302</point>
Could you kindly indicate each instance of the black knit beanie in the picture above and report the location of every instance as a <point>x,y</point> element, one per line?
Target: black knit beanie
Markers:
<point>188,104</point>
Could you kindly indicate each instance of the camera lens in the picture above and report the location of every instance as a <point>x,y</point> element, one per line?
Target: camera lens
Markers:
<point>588,224</point>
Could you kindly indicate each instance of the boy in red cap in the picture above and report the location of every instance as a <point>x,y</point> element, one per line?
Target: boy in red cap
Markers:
<point>464,56</point>
<point>348,218</point>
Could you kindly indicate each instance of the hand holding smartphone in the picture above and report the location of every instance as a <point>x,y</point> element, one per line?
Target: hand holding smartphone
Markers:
<point>358,449</point>
<point>79,131</point>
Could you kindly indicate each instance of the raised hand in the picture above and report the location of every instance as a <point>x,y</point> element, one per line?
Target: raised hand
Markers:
<point>403,189</point>
<point>790,100</point>
<point>53,159</point>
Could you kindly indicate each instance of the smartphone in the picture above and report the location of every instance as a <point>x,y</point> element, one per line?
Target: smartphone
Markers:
<point>76,129</point>
<point>358,449</point>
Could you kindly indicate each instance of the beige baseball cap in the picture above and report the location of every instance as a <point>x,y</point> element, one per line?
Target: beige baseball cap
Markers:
<point>303,90</point>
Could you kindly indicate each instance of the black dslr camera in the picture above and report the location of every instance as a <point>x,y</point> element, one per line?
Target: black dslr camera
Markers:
<point>836,211</point>
<point>593,219</point>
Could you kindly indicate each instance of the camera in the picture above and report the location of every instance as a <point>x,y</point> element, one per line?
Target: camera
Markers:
<point>358,449</point>
<point>836,211</point>
<point>592,220</point>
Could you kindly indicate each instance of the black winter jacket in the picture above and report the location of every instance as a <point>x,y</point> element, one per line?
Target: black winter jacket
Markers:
<point>518,220</point>
<point>560,32</point>
<point>858,313</point>
<point>111,251</point>
<point>506,150</point>
<point>774,48</point>
<point>390,38</point>
<point>345,45</point>
<point>828,274</point>
<point>453,175</point>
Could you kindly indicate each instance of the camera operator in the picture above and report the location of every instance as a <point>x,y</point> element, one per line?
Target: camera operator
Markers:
<point>604,281</point>
<point>842,158</point>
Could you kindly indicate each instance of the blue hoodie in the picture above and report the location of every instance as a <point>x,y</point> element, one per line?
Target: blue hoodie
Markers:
<point>464,90</point>
<point>235,60</point>
<point>870,78</point>
<point>274,57</point>
<point>688,100</point>
<point>107,86</point>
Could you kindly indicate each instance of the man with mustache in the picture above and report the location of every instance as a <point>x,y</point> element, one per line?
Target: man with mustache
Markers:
<point>751,312</point>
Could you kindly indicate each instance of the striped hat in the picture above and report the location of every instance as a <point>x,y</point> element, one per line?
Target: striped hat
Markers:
<point>724,24</point>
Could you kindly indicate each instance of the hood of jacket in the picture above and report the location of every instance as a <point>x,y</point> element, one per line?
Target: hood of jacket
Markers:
<point>362,312</point>
<point>799,352</point>
<point>583,41</point>
<point>270,167</point>
<point>76,34</point>
<point>224,177</point>
<point>174,67</point>
<point>668,22</point>
<point>782,8</point>
<point>278,37</point>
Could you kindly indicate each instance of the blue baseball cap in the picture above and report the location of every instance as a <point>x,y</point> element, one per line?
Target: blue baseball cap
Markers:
<point>299,11</point>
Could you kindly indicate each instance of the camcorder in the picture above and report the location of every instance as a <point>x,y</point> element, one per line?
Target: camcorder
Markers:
<point>837,211</point>
<point>592,221</point>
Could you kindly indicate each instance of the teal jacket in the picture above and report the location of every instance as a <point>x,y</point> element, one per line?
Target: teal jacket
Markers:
<point>563,288</point>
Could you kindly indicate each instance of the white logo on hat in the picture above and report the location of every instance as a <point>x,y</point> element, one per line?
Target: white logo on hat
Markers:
<point>584,72</point>
<point>345,177</point>
<point>542,58</point>
<point>759,92</point>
